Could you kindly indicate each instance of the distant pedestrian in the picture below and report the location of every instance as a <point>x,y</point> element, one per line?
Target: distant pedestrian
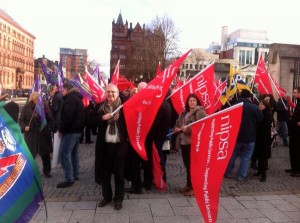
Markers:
<point>294,132</point>
<point>262,150</point>
<point>283,117</point>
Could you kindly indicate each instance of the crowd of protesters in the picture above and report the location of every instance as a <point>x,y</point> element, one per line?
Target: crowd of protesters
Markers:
<point>114,155</point>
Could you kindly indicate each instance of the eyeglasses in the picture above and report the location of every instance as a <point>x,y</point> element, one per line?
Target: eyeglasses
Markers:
<point>113,92</point>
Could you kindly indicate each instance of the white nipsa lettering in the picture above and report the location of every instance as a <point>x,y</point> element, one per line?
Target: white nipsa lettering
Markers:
<point>202,89</point>
<point>138,131</point>
<point>181,98</point>
<point>223,134</point>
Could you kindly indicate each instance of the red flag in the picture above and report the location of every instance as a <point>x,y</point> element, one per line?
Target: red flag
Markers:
<point>178,83</point>
<point>123,83</point>
<point>291,104</point>
<point>140,110</point>
<point>281,92</point>
<point>97,91</point>
<point>157,170</point>
<point>202,84</point>
<point>85,101</point>
<point>220,89</point>
<point>213,139</point>
<point>262,77</point>
<point>116,74</point>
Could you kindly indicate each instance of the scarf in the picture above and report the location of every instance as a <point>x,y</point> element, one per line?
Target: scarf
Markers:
<point>107,108</point>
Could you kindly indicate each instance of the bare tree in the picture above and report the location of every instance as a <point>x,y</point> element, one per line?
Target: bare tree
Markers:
<point>165,26</point>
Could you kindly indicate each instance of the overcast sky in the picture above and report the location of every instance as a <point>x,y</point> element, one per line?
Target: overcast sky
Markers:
<point>87,24</point>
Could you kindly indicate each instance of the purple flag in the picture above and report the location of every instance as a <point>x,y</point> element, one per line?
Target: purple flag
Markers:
<point>39,109</point>
<point>82,86</point>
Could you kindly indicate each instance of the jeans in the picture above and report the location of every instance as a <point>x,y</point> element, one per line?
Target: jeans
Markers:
<point>244,150</point>
<point>69,155</point>
<point>283,132</point>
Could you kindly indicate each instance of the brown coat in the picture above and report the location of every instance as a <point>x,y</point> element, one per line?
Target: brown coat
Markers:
<point>196,114</point>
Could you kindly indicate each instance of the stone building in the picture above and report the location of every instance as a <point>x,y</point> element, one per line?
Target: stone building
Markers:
<point>139,50</point>
<point>16,56</point>
<point>284,65</point>
<point>195,62</point>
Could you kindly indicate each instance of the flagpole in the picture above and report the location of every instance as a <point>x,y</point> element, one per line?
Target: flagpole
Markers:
<point>117,110</point>
<point>189,80</point>
<point>30,119</point>
<point>277,90</point>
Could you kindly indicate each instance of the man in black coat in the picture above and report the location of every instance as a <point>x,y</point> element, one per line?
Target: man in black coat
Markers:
<point>71,126</point>
<point>294,132</point>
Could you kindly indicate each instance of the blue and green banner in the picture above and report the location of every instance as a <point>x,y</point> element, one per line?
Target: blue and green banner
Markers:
<point>20,180</point>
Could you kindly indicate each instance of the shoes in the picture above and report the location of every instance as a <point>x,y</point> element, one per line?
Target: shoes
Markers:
<point>76,178</point>
<point>257,173</point>
<point>263,178</point>
<point>118,206</point>
<point>133,190</point>
<point>48,175</point>
<point>89,142</point>
<point>226,175</point>
<point>64,184</point>
<point>104,202</point>
<point>297,174</point>
<point>147,187</point>
<point>289,170</point>
<point>184,189</point>
<point>240,179</point>
<point>189,193</point>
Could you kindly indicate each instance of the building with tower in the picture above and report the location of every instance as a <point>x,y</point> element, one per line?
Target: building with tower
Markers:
<point>139,50</point>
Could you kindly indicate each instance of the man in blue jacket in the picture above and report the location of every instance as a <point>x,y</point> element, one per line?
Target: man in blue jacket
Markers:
<point>246,138</point>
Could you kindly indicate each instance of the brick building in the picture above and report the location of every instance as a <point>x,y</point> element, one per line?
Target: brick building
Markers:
<point>73,60</point>
<point>138,49</point>
<point>16,55</point>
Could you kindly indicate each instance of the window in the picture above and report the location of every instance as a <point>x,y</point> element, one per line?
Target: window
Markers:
<point>249,57</point>
<point>242,57</point>
<point>191,66</point>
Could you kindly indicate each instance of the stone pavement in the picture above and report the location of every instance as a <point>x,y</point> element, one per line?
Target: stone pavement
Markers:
<point>276,200</point>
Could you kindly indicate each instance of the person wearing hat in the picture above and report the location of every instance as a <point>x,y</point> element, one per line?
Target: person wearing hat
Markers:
<point>70,127</point>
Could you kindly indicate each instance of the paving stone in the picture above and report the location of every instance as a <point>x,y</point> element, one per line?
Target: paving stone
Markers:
<point>245,213</point>
<point>256,204</point>
<point>111,218</point>
<point>86,216</point>
<point>177,219</point>
<point>83,205</point>
<point>275,215</point>
<point>145,217</point>
<point>230,203</point>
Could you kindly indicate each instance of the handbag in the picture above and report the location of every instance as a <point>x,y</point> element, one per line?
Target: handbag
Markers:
<point>112,138</point>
